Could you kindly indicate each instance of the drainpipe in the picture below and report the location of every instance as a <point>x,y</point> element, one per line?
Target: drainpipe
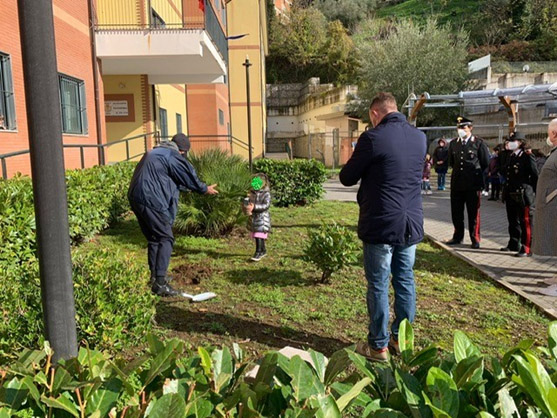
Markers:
<point>98,121</point>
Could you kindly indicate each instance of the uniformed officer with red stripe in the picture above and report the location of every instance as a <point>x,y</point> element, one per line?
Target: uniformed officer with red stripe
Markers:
<point>519,194</point>
<point>468,157</point>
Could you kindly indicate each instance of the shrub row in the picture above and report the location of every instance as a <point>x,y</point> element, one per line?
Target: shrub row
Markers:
<point>295,182</point>
<point>170,382</point>
<point>112,307</point>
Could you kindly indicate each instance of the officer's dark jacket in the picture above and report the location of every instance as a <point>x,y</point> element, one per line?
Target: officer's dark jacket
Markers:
<point>468,163</point>
<point>160,176</point>
<point>521,174</point>
<point>389,160</point>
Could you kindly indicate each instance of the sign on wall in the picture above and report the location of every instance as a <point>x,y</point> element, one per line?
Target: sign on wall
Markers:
<point>119,108</point>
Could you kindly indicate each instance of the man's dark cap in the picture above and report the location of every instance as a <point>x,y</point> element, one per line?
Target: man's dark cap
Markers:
<point>461,121</point>
<point>517,136</point>
<point>182,141</point>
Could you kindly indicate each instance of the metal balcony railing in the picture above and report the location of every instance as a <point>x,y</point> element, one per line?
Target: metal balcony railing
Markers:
<point>156,15</point>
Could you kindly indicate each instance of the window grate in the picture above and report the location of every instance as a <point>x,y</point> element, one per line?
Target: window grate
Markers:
<point>73,105</point>
<point>7,105</point>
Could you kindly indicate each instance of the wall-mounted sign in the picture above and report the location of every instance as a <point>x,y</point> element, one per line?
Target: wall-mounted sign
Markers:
<point>119,108</point>
<point>116,108</point>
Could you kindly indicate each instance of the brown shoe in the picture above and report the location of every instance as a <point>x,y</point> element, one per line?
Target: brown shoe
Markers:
<point>379,356</point>
<point>394,348</point>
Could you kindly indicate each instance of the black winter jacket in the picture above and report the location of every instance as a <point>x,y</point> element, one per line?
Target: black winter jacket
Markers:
<point>160,176</point>
<point>389,160</point>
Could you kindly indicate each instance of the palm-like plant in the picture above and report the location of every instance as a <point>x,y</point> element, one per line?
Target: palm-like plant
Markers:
<point>218,214</point>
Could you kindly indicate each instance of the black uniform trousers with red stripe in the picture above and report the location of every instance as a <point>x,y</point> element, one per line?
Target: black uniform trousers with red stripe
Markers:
<point>520,217</point>
<point>470,199</point>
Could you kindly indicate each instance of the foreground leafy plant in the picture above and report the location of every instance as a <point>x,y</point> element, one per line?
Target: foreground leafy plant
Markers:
<point>168,381</point>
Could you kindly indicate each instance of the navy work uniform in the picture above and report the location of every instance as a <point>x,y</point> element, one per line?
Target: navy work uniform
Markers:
<point>519,193</point>
<point>468,157</point>
<point>153,195</point>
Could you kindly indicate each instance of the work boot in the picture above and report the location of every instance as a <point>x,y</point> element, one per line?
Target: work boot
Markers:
<point>394,347</point>
<point>161,287</point>
<point>378,356</point>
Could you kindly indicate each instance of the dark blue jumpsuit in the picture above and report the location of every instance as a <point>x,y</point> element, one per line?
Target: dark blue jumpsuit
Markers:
<point>153,195</point>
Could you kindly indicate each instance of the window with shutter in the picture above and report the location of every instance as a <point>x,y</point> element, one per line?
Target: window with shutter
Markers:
<point>7,104</point>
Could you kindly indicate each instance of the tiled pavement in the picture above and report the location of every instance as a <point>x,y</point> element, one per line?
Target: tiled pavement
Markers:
<point>524,276</point>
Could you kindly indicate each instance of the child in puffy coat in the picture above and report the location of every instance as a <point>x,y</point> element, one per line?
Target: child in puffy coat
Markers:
<point>426,185</point>
<point>258,207</point>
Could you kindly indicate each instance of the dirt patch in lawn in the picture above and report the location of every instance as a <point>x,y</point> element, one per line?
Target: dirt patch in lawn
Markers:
<point>187,274</point>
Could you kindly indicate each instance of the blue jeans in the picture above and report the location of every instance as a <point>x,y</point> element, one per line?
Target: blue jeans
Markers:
<point>441,180</point>
<point>380,260</point>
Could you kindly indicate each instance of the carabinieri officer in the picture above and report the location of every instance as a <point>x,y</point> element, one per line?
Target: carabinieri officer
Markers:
<point>519,194</point>
<point>468,157</point>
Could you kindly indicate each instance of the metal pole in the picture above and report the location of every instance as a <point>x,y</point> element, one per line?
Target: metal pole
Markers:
<point>4,169</point>
<point>47,168</point>
<point>247,64</point>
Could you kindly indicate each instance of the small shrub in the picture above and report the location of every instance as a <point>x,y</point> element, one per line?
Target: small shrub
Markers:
<point>296,182</point>
<point>331,248</point>
<point>215,215</point>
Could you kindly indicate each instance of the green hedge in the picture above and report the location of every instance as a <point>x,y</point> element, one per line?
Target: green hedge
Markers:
<point>170,381</point>
<point>113,306</point>
<point>295,182</point>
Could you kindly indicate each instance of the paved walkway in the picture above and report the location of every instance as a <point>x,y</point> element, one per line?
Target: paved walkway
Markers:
<point>524,276</point>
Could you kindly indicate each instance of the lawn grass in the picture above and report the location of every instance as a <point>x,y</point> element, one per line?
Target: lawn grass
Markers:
<point>277,301</point>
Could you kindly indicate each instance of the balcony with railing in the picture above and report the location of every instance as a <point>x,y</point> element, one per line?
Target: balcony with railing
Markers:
<point>172,41</point>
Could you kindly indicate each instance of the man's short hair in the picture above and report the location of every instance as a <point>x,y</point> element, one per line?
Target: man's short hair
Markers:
<point>383,102</point>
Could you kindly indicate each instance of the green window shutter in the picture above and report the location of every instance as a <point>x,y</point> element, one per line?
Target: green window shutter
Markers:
<point>6,88</point>
<point>83,108</point>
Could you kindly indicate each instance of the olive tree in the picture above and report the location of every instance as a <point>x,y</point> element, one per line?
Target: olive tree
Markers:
<point>405,57</point>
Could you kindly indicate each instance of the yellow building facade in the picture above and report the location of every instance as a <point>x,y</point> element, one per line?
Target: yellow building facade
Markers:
<point>249,18</point>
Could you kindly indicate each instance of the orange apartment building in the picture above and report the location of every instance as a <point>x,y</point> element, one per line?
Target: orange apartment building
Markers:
<point>162,67</point>
<point>76,77</point>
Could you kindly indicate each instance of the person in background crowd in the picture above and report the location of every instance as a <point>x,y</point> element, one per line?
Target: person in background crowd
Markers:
<point>426,185</point>
<point>545,228</point>
<point>389,161</point>
<point>493,175</point>
<point>540,157</point>
<point>153,195</point>
<point>503,161</point>
<point>441,163</point>
<point>468,157</point>
<point>522,176</point>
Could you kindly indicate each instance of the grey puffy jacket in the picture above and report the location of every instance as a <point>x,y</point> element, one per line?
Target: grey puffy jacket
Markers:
<point>260,219</point>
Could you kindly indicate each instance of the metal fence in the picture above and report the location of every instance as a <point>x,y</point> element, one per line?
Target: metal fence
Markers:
<point>156,15</point>
<point>132,148</point>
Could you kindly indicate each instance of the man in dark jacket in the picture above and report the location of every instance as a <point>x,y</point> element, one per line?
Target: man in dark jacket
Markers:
<point>468,157</point>
<point>153,194</point>
<point>388,160</point>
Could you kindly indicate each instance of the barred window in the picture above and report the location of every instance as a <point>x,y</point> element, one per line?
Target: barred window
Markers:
<point>163,123</point>
<point>73,103</point>
<point>179,124</point>
<point>7,105</point>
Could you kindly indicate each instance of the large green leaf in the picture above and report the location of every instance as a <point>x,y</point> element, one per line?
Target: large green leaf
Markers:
<point>428,354</point>
<point>338,362</point>
<point>206,361</point>
<point>319,364</point>
<point>535,381</point>
<point>362,365</point>
<point>325,406</point>
<point>467,369</point>
<point>506,405</point>
<point>199,408</point>
<point>222,368</point>
<point>552,339</point>
<point>305,382</point>
<point>386,413</point>
<point>28,383</point>
<point>13,394</point>
<point>406,340</point>
<point>340,388</point>
<point>267,369</point>
<point>345,399</point>
<point>171,405</point>
<point>463,347</point>
<point>104,398</point>
<point>63,403</point>
<point>442,391</point>
<point>163,360</point>
<point>411,390</point>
